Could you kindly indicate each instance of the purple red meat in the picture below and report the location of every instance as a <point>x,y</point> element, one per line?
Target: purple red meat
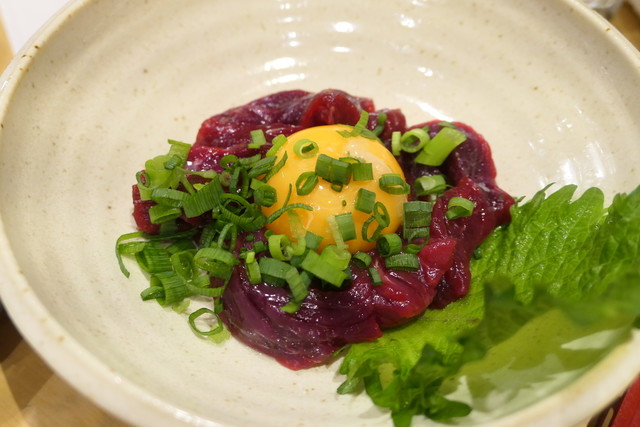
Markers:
<point>331,319</point>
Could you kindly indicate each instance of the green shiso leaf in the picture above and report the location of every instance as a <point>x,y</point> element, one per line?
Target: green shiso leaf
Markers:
<point>558,253</point>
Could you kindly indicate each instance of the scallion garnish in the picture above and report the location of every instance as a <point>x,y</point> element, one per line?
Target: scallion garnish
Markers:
<point>380,124</point>
<point>459,207</point>
<point>376,280</point>
<point>346,226</point>
<point>265,195</point>
<point>333,170</point>
<point>168,197</point>
<point>402,261</point>
<point>262,167</point>
<point>314,265</point>
<point>257,139</point>
<point>159,214</point>
<point>277,167</point>
<point>277,245</point>
<point>362,171</point>
<point>305,148</point>
<point>277,214</point>
<point>426,185</point>
<point>306,182</point>
<point>416,214</point>
<point>201,312</point>
<point>365,200</point>
<point>205,199</point>
<point>414,140</point>
<point>276,144</point>
<point>396,149</point>
<point>312,240</point>
<point>389,244</point>
<point>362,259</point>
<point>436,151</point>
<point>393,183</point>
<point>381,214</point>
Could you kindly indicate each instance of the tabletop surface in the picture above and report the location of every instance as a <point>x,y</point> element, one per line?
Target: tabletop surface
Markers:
<point>31,394</point>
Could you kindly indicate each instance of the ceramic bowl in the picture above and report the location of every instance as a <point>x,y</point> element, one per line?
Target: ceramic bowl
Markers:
<point>102,87</point>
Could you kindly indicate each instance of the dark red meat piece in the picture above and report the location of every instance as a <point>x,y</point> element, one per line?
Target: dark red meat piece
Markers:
<point>327,320</point>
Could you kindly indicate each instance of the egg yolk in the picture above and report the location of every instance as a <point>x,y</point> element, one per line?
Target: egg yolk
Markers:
<point>325,201</point>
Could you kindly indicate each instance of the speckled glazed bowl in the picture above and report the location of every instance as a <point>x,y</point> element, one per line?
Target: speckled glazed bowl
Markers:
<point>100,89</point>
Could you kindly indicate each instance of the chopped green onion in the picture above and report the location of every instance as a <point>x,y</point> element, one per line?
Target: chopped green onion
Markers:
<point>381,214</point>
<point>292,306</point>
<point>274,271</point>
<point>277,167</point>
<point>287,208</point>
<point>262,167</point>
<point>314,265</point>
<point>168,197</point>
<point>432,184</point>
<point>380,124</point>
<point>276,143</point>
<point>159,214</point>
<point>298,285</point>
<point>376,280</point>
<point>152,292</point>
<point>228,232</point>
<point>154,259</point>
<point>333,170</point>
<point>413,248</point>
<point>362,171</point>
<point>389,244</point>
<point>407,262</point>
<point>265,195</point>
<point>410,137</point>
<point>217,261</point>
<point>201,312</point>
<point>305,148</point>
<point>337,187</point>
<point>362,259</point>
<point>173,286</point>
<point>396,149</point>
<point>228,161</point>
<point>365,230</point>
<point>416,213</point>
<point>447,124</point>
<point>459,207</point>
<point>312,240</point>
<point>336,257</point>
<point>393,183</point>
<point>346,226</point>
<point>359,128</point>
<point>277,244</point>
<point>260,246</point>
<point>365,200</point>
<point>415,233</point>
<point>253,272</point>
<point>306,182</point>
<point>257,139</point>
<point>436,151</point>
<point>335,232</point>
<point>182,263</point>
<point>205,199</point>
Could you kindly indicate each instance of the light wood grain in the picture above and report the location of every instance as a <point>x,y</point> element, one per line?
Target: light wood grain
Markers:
<point>32,395</point>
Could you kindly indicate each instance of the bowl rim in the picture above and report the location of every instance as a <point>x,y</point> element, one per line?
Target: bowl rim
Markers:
<point>127,401</point>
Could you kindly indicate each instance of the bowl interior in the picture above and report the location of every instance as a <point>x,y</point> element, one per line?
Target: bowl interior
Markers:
<point>101,89</point>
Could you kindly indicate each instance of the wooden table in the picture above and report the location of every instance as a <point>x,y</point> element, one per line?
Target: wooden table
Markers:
<point>32,395</point>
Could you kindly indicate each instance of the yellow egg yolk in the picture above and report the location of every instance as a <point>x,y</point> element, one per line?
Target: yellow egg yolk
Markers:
<point>325,201</point>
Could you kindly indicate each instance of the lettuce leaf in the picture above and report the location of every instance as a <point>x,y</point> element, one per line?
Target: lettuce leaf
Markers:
<point>558,252</point>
